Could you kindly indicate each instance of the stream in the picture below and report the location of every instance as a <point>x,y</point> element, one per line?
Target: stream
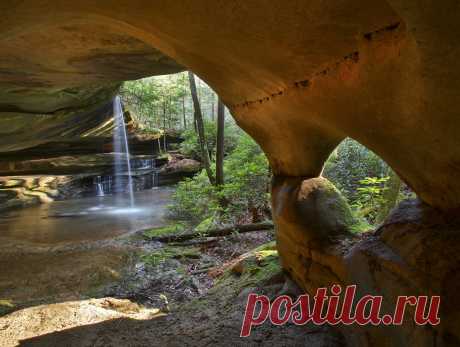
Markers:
<point>88,219</point>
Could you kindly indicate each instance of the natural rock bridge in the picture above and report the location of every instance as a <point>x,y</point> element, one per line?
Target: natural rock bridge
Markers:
<point>299,76</point>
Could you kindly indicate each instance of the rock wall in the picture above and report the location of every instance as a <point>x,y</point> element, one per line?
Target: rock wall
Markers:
<point>23,191</point>
<point>299,76</point>
<point>415,252</point>
<point>44,180</point>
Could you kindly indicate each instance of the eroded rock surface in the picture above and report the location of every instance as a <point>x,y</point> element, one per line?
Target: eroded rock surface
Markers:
<point>299,77</point>
<point>415,252</point>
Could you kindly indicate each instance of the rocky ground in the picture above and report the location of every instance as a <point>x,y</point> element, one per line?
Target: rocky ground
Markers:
<point>167,295</point>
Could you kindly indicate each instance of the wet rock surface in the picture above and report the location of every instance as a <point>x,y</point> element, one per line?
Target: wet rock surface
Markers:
<point>69,177</point>
<point>299,77</point>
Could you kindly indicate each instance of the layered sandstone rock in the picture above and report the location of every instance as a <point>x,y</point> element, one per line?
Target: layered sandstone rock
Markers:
<point>415,252</point>
<point>299,76</point>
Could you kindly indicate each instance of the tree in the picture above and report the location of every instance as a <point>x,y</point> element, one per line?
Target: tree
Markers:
<point>220,142</point>
<point>183,112</point>
<point>200,127</point>
<point>159,102</point>
<point>244,191</point>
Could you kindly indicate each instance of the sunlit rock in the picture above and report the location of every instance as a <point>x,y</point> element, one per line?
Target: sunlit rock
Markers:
<point>299,77</point>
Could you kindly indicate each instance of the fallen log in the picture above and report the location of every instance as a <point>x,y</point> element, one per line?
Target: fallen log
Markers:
<point>197,241</point>
<point>243,228</point>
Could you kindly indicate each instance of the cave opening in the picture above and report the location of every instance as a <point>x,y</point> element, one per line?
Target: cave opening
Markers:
<point>67,206</point>
<point>370,186</point>
<point>290,74</point>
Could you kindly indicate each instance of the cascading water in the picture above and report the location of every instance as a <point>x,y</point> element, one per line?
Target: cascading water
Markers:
<point>100,190</point>
<point>120,143</point>
<point>99,186</point>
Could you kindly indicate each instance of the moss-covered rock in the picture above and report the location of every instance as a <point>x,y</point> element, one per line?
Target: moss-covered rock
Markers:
<point>323,207</point>
<point>311,210</point>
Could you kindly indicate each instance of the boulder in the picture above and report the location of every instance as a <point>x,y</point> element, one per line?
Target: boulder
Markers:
<point>178,168</point>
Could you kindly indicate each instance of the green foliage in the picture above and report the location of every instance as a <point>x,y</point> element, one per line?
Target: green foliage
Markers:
<point>406,193</point>
<point>244,196</point>
<point>157,102</point>
<point>247,181</point>
<point>350,163</point>
<point>195,199</point>
<point>370,198</point>
<point>361,226</point>
<point>164,102</point>
<point>6,306</point>
<point>370,186</point>
<point>191,148</point>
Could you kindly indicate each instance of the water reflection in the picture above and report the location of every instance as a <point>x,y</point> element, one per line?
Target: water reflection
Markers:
<point>94,218</point>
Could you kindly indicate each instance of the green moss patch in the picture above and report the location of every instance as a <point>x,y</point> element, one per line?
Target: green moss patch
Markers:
<point>205,225</point>
<point>361,226</point>
<point>166,230</point>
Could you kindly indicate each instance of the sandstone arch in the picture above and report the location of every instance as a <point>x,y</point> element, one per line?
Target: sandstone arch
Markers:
<point>299,76</point>
<point>356,69</point>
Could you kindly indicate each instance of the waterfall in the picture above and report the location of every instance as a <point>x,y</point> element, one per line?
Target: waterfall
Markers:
<point>99,186</point>
<point>120,143</point>
<point>100,190</point>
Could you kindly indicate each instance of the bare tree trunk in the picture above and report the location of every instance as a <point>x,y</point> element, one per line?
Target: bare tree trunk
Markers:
<point>183,111</point>
<point>194,118</point>
<point>200,128</point>
<point>156,116</point>
<point>212,106</point>
<point>220,143</point>
<point>164,115</point>
<point>164,125</point>
<point>169,113</point>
